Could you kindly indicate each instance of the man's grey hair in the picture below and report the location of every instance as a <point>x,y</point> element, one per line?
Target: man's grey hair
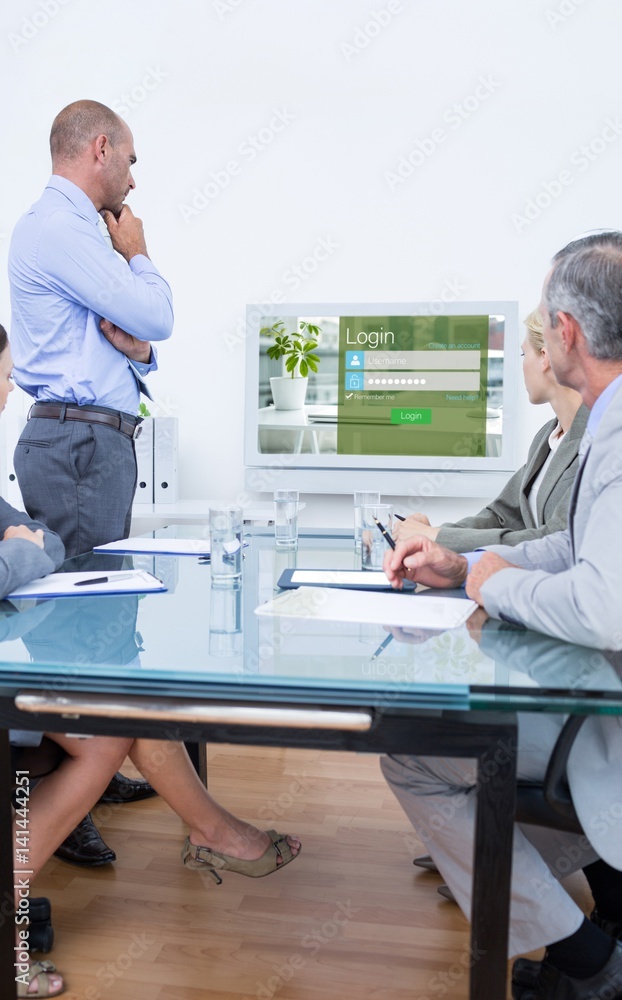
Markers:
<point>586,283</point>
<point>78,124</point>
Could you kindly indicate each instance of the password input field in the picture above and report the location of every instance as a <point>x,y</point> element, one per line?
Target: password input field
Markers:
<point>422,382</point>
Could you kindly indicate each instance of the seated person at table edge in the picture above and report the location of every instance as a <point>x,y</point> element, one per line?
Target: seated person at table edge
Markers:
<point>535,500</point>
<point>28,549</point>
<point>566,584</point>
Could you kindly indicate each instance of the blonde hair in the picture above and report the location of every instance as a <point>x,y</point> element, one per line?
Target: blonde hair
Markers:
<point>534,325</point>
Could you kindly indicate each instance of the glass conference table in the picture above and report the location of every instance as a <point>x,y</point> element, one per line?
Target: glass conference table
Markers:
<point>196,664</point>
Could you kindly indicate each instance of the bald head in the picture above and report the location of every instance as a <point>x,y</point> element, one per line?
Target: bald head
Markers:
<point>78,124</point>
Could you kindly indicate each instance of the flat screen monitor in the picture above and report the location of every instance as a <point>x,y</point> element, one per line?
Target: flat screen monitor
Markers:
<point>392,391</point>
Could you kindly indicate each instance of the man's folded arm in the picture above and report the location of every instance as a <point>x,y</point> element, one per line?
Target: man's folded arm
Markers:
<point>80,265</point>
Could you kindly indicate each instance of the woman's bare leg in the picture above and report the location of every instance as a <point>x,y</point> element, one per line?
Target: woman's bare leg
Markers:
<point>63,798</point>
<point>169,769</point>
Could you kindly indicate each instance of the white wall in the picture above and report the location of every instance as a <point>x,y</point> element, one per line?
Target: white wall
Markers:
<point>204,75</point>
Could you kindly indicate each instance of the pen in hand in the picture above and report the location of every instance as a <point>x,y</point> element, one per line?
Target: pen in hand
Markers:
<point>383,531</point>
<point>400,518</point>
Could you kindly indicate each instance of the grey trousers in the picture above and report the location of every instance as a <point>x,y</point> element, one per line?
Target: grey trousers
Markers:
<point>439,797</point>
<point>79,479</point>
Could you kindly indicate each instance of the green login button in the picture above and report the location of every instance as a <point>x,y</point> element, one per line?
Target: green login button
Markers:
<point>408,415</point>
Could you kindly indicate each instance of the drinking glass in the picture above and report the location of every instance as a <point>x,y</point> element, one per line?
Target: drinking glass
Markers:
<point>361,497</point>
<point>225,532</point>
<point>286,518</point>
<point>373,543</point>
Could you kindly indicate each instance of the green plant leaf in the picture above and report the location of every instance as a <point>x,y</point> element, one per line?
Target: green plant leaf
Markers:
<point>304,368</point>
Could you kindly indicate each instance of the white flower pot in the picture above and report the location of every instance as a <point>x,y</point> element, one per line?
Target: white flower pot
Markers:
<point>288,393</point>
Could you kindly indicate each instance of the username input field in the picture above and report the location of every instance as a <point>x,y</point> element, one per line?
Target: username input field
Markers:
<point>420,360</point>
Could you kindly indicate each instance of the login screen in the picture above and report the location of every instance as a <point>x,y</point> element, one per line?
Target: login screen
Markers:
<point>412,385</point>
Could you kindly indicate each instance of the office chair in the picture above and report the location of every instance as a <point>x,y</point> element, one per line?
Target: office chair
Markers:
<point>548,804</point>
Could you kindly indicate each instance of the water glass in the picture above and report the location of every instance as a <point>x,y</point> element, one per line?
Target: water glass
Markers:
<point>225,620</point>
<point>286,518</point>
<point>225,532</point>
<point>373,543</point>
<point>361,497</point>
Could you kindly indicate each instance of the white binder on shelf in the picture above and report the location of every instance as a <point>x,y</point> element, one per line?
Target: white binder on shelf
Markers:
<point>165,446</point>
<point>144,461</point>
<point>12,426</point>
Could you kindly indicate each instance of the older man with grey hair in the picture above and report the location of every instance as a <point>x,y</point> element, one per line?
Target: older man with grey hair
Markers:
<point>567,586</point>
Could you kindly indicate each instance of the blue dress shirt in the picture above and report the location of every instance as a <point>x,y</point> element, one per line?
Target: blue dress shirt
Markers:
<point>64,278</point>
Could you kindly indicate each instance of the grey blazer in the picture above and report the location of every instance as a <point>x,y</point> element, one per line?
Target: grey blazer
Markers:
<point>22,561</point>
<point>574,591</point>
<point>508,519</point>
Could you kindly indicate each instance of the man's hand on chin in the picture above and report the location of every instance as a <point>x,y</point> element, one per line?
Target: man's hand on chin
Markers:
<point>132,347</point>
<point>423,561</point>
<point>489,564</point>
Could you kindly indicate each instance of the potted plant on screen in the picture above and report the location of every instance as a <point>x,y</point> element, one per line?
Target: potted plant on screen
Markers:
<point>297,350</point>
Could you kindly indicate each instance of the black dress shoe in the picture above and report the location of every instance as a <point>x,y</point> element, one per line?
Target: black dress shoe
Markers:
<point>525,971</point>
<point>551,984</point>
<point>40,930</point>
<point>122,789</point>
<point>84,846</point>
<point>605,985</point>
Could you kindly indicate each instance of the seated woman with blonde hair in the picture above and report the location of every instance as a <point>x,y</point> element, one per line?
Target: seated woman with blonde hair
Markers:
<point>534,502</point>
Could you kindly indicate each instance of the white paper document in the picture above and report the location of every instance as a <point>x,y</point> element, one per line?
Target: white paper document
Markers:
<point>403,610</point>
<point>81,584</point>
<point>159,546</point>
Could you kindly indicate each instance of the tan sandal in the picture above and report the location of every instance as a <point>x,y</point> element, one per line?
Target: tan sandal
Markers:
<point>40,971</point>
<point>194,856</point>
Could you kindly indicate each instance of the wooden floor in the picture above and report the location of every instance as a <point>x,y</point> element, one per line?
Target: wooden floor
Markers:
<point>350,918</point>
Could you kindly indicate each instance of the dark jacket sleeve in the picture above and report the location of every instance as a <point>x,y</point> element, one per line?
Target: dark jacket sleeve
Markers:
<point>502,521</point>
<point>20,560</point>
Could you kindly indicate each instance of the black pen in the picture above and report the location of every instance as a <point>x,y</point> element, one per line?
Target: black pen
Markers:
<point>383,531</point>
<point>105,579</point>
<point>400,518</point>
<point>383,645</point>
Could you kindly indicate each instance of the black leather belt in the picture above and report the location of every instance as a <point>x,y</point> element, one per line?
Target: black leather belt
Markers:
<point>128,425</point>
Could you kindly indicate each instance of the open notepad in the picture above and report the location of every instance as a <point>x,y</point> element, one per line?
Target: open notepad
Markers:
<point>82,584</point>
<point>403,610</point>
<point>158,546</point>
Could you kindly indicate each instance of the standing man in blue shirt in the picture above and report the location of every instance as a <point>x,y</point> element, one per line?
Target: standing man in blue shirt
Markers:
<point>84,314</point>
